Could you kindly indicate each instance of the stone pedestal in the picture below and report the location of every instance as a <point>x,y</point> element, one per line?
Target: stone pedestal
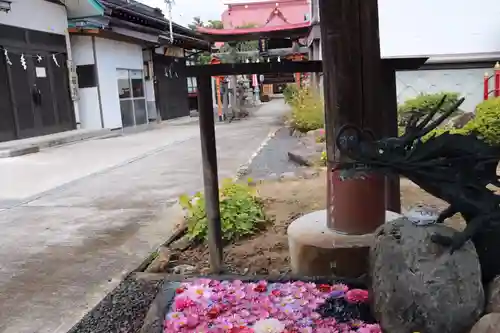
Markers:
<point>316,250</point>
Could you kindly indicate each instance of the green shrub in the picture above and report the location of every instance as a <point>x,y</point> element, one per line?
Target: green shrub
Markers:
<point>307,111</point>
<point>289,93</point>
<point>424,102</point>
<point>428,101</point>
<point>439,131</point>
<point>486,123</point>
<point>324,158</point>
<point>241,212</point>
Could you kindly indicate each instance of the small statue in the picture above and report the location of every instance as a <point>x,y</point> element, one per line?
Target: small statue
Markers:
<point>455,168</point>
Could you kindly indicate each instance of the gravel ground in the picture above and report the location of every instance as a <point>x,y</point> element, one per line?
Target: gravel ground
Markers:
<point>121,311</point>
<point>272,161</point>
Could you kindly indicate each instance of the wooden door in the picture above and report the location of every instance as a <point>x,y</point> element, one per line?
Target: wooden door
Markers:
<point>172,88</point>
<point>7,123</point>
<point>43,100</point>
<point>21,81</point>
<point>40,94</point>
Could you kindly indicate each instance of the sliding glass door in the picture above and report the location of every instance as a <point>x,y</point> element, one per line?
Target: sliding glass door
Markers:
<point>132,98</point>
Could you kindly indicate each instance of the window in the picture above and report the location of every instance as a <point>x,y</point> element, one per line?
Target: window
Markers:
<point>192,85</point>
<point>132,98</point>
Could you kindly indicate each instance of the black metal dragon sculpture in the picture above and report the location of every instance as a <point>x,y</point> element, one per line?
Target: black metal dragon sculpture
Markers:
<point>455,168</point>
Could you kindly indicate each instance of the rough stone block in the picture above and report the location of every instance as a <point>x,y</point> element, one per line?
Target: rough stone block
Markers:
<point>493,296</point>
<point>417,286</point>
<point>488,324</point>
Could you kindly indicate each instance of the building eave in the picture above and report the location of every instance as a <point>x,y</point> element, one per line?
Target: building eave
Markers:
<point>294,31</point>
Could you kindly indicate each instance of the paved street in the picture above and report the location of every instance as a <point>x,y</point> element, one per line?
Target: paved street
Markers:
<point>75,219</point>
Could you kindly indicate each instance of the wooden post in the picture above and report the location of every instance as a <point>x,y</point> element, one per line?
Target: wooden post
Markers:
<point>210,175</point>
<point>390,115</point>
<point>352,74</point>
<point>486,86</point>
<point>496,93</point>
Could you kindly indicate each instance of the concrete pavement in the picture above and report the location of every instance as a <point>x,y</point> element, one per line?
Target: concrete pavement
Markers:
<point>77,218</point>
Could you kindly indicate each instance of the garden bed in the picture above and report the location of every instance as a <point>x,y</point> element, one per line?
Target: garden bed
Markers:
<point>266,253</point>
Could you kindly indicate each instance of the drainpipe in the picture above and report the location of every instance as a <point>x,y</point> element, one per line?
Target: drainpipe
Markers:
<point>156,89</point>
<point>99,97</point>
<point>71,66</point>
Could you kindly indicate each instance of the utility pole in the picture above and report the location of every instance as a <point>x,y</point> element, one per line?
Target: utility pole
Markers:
<point>169,4</point>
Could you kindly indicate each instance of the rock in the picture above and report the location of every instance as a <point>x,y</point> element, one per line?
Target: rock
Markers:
<point>182,244</point>
<point>184,269</point>
<point>307,152</point>
<point>417,286</point>
<point>315,134</point>
<point>488,324</point>
<point>160,263</point>
<point>193,113</point>
<point>308,173</point>
<point>462,119</point>
<point>493,296</point>
<point>288,176</point>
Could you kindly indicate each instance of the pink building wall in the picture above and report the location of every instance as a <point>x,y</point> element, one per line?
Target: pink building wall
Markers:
<point>294,11</point>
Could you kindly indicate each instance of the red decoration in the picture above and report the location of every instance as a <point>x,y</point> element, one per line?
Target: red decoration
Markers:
<point>497,80</point>
<point>179,290</point>
<point>325,288</point>
<point>260,288</point>
<point>486,83</point>
<point>214,312</point>
<point>276,293</point>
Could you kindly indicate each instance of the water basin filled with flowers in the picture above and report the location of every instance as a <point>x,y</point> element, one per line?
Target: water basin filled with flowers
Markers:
<point>212,306</point>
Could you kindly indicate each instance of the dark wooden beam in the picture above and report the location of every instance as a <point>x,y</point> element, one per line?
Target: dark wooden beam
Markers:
<point>313,66</point>
<point>210,175</point>
<point>255,68</point>
<point>351,73</point>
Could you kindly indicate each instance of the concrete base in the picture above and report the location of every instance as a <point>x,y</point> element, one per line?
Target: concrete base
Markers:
<point>315,250</point>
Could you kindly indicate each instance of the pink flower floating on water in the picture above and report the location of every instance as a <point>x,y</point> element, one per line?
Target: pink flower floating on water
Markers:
<point>357,296</point>
<point>211,306</point>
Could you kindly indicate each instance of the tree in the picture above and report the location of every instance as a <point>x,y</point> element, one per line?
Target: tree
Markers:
<point>204,58</point>
<point>197,22</point>
<point>251,45</point>
<point>215,24</point>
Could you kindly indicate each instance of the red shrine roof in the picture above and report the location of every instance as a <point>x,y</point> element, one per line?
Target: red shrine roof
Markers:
<point>264,13</point>
<point>272,19</point>
<point>292,31</point>
<point>246,31</point>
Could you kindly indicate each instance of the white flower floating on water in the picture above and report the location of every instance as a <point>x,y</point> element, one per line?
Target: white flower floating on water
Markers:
<point>269,326</point>
<point>198,292</point>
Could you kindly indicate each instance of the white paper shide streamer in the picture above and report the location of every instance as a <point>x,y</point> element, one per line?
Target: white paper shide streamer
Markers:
<point>55,60</point>
<point>23,61</point>
<point>7,59</point>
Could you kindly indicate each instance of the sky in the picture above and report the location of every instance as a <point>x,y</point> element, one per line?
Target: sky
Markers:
<point>184,10</point>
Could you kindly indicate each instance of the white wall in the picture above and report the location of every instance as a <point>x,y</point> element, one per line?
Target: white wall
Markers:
<point>36,15</point>
<point>439,27</point>
<point>467,82</point>
<point>88,103</point>
<point>110,56</point>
